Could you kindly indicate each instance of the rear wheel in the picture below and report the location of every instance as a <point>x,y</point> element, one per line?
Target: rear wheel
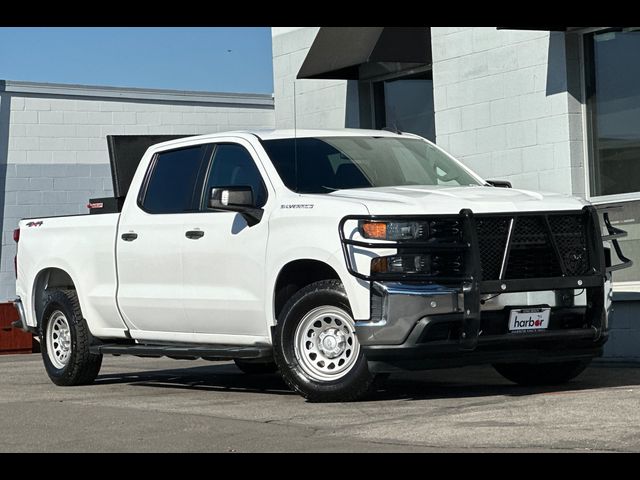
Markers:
<point>541,373</point>
<point>316,347</point>
<point>65,340</point>
<point>255,368</point>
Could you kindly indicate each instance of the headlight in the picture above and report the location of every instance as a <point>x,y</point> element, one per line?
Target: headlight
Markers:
<point>394,231</point>
<point>402,264</point>
<point>447,264</point>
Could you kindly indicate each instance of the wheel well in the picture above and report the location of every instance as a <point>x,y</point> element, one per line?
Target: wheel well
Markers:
<point>296,275</point>
<point>48,279</point>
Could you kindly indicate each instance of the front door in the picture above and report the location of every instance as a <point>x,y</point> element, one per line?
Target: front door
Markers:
<point>224,265</point>
<point>149,242</point>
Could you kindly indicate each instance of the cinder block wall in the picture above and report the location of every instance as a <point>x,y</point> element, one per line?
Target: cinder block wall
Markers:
<point>318,103</point>
<point>506,106</point>
<point>54,153</point>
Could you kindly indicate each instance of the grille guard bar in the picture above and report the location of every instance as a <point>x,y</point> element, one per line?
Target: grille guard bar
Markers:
<point>470,280</point>
<point>614,234</point>
<point>469,247</point>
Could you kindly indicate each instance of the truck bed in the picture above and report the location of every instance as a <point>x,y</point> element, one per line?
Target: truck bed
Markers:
<point>84,247</point>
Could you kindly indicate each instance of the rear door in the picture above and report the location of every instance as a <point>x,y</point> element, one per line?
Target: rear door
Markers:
<point>149,242</point>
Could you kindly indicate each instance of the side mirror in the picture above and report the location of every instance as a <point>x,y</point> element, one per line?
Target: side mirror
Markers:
<point>236,199</point>
<point>499,183</point>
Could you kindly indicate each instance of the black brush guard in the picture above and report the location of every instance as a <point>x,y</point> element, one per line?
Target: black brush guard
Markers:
<point>469,281</point>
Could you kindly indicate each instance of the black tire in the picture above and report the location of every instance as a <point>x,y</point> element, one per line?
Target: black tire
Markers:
<point>254,368</point>
<point>535,374</point>
<point>82,367</point>
<point>352,386</point>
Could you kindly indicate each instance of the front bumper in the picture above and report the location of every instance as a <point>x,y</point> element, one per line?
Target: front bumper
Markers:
<point>422,326</point>
<point>426,321</point>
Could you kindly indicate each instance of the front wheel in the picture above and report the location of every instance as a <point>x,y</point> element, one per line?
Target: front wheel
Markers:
<point>65,340</point>
<point>316,347</point>
<point>535,374</point>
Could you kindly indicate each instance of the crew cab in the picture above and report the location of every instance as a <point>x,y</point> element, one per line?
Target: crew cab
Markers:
<point>329,256</point>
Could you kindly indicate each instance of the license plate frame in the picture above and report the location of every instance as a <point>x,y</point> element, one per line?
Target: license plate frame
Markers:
<point>527,320</point>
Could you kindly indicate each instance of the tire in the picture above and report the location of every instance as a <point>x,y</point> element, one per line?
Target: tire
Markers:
<point>535,374</point>
<point>255,368</point>
<point>65,340</point>
<point>321,311</point>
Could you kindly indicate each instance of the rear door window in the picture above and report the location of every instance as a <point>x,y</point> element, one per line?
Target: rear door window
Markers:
<point>173,180</point>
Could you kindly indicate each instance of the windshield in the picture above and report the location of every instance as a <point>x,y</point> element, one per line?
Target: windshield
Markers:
<point>323,165</point>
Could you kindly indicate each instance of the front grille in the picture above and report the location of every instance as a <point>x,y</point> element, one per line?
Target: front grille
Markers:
<point>492,240</point>
<point>531,253</point>
<point>570,232</point>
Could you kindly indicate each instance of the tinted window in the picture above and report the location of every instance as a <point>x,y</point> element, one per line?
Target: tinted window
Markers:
<point>613,68</point>
<point>408,106</point>
<point>613,100</point>
<point>125,152</point>
<point>173,180</point>
<point>323,165</point>
<point>233,166</point>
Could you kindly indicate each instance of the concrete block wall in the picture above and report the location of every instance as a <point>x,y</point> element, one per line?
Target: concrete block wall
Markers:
<point>54,153</point>
<point>624,335</point>
<point>504,106</point>
<point>318,103</point>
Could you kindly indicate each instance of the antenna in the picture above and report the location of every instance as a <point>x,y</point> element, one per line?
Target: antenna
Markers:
<point>295,135</point>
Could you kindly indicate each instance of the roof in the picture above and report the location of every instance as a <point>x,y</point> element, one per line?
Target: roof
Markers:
<point>277,134</point>
<point>129,93</point>
<point>304,133</point>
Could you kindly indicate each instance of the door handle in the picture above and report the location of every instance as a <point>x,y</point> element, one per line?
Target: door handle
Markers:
<point>129,237</point>
<point>194,234</point>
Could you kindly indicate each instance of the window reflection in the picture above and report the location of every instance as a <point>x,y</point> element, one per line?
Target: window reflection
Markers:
<point>613,69</point>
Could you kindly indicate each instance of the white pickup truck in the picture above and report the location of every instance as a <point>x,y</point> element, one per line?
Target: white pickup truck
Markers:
<point>330,256</point>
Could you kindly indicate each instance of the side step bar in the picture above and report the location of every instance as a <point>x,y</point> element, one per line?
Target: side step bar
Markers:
<point>187,352</point>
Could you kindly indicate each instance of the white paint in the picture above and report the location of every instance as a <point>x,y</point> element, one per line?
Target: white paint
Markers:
<point>221,286</point>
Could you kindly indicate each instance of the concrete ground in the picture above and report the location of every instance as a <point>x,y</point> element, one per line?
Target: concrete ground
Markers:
<point>141,405</point>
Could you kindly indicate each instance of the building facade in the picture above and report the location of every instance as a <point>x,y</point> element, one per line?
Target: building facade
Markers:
<point>53,148</point>
<point>546,110</point>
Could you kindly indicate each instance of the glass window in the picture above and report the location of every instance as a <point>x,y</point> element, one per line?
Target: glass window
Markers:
<point>612,69</point>
<point>323,165</point>
<point>404,103</point>
<point>233,166</point>
<point>173,179</point>
<point>125,152</point>
<point>408,106</point>
<point>613,98</point>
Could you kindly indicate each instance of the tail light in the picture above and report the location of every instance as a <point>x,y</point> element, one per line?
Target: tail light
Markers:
<point>16,238</point>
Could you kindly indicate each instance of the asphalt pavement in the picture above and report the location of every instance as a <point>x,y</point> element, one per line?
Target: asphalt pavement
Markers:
<point>162,405</point>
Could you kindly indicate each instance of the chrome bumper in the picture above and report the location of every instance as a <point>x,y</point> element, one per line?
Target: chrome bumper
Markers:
<point>397,307</point>
<point>22,320</point>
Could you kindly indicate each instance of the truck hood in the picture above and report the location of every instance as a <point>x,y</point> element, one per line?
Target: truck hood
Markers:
<point>450,200</point>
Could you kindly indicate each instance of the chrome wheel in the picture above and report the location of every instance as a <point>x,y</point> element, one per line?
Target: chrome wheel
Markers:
<point>58,339</point>
<point>325,343</point>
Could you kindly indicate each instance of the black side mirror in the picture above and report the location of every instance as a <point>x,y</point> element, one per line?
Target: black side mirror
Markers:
<point>236,199</point>
<point>499,183</point>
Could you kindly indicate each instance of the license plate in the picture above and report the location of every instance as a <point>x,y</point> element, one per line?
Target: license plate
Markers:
<point>529,319</point>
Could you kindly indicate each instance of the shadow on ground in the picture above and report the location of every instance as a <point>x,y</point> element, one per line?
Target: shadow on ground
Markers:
<point>218,378</point>
<point>435,384</point>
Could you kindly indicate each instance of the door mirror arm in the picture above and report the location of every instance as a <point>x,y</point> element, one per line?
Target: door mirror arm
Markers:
<point>239,199</point>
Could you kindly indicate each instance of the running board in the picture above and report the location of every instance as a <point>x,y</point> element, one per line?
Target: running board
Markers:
<point>189,352</point>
